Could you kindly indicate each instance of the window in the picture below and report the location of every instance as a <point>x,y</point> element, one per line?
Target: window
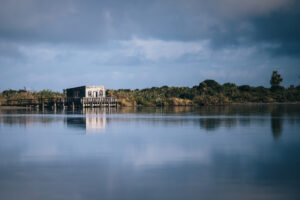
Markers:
<point>100,93</point>
<point>89,93</point>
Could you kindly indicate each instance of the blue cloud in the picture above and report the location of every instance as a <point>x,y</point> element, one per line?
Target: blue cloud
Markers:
<point>135,44</point>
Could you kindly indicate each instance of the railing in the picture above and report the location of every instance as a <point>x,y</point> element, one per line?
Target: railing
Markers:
<point>35,101</point>
<point>85,101</point>
<point>98,100</point>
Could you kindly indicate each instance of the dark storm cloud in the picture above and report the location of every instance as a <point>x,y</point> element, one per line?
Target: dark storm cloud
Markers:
<point>50,21</point>
<point>281,29</point>
<point>223,23</point>
<point>137,43</point>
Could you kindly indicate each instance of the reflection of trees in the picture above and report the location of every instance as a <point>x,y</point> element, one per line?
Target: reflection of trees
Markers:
<point>227,110</point>
<point>276,121</point>
<point>156,110</point>
<point>208,117</point>
<point>75,122</point>
<point>230,122</point>
<point>245,121</point>
<point>210,124</point>
<point>276,124</point>
<point>25,120</point>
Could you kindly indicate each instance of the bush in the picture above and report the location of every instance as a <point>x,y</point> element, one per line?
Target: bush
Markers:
<point>244,88</point>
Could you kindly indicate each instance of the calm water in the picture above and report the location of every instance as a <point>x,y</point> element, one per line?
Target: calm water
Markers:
<point>225,152</point>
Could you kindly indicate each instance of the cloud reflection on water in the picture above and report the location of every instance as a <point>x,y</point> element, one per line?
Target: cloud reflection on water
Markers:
<point>174,154</point>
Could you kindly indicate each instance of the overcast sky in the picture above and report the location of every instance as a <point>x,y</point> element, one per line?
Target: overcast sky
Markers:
<point>135,44</point>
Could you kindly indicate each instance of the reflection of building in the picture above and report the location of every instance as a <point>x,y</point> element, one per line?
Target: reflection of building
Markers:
<point>92,120</point>
<point>94,124</point>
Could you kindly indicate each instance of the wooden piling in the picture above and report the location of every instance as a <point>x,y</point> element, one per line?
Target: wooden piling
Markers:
<point>63,103</point>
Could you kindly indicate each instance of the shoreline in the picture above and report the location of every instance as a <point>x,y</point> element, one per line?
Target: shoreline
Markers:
<point>15,107</point>
<point>12,107</point>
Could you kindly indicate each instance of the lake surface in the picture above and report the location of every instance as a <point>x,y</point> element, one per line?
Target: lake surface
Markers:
<point>216,152</point>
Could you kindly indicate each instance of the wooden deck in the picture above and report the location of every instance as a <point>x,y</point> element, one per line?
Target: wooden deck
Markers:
<point>99,102</point>
<point>64,102</point>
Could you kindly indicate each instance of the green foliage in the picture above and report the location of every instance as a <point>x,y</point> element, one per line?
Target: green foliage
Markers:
<point>210,87</point>
<point>208,92</point>
<point>244,88</point>
<point>48,94</point>
<point>187,95</point>
<point>9,93</point>
<point>275,80</point>
<point>24,94</point>
<point>212,84</point>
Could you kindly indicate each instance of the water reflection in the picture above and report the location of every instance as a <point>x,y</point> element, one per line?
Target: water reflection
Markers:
<point>210,124</point>
<point>92,124</point>
<point>210,118</point>
<point>185,153</point>
<point>277,121</point>
<point>92,120</point>
<point>26,120</point>
<point>227,110</point>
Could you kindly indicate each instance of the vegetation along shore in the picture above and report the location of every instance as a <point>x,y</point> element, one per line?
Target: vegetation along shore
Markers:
<point>208,92</point>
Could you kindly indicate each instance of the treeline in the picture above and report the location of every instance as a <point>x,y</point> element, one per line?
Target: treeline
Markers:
<point>208,92</point>
<point>25,94</point>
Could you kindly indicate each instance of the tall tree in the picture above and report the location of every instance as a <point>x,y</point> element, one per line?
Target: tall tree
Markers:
<point>275,79</point>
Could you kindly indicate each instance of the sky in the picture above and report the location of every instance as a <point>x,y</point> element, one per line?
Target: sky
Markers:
<point>140,43</point>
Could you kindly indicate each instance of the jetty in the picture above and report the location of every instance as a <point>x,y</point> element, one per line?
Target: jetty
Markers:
<point>77,97</point>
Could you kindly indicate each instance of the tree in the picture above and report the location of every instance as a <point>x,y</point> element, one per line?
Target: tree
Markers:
<point>244,88</point>
<point>275,79</point>
<point>210,87</point>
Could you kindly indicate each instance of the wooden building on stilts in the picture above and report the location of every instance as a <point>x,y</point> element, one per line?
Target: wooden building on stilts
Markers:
<point>89,96</point>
